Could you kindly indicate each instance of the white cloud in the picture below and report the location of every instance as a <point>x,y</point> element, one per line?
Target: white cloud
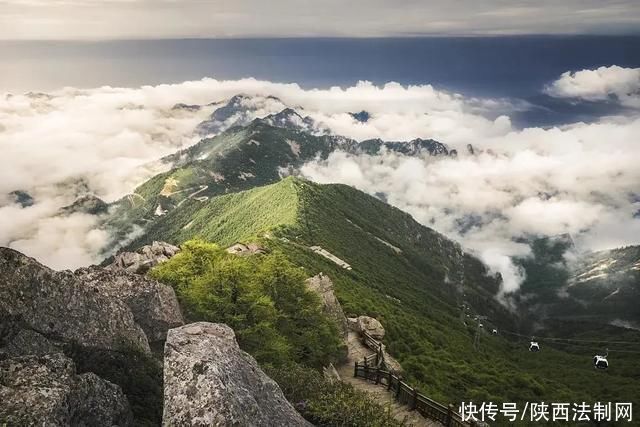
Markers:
<point>577,178</point>
<point>612,83</point>
<point>512,275</point>
<point>56,147</point>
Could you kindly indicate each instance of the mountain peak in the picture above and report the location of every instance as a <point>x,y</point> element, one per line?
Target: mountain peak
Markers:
<point>289,118</point>
<point>239,110</point>
<point>362,116</point>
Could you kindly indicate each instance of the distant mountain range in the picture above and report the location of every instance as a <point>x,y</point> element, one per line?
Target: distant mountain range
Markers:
<point>259,140</point>
<point>249,151</point>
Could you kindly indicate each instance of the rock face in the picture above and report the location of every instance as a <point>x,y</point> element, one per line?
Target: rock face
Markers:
<point>46,390</point>
<point>209,381</point>
<point>389,362</point>
<point>57,305</point>
<point>154,306</point>
<point>144,258</point>
<point>367,324</point>
<point>323,286</point>
<point>374,328</point>
<point>102,318</point>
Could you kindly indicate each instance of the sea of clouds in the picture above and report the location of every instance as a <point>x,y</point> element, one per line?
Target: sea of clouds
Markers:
<point>580,178</point>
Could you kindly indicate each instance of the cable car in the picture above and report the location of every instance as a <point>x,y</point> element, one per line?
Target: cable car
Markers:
<point>494,331</point>
<point>600,362</point>
<point>534,346</point>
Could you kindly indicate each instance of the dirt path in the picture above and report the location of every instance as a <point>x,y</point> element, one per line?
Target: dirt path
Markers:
<point>357,352</point>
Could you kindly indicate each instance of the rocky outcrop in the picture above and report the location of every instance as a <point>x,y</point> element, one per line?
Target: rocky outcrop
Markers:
<point>323,287</point>
<point>367,324</point>
<point>59,306</point>
<point>245,249</point>
<point>22,198</point>
<point>375,329</point>
<point>209,381</point>
<point>105,320</point>
<point>46,390</point>
<point>154,306</point>
<point>17,340</point>
<point>390,363</point>
<point>88,204</point>
<point>144,258</point>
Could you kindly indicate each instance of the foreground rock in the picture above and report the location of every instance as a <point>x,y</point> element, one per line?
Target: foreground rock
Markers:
<point>144,258</point>
<point>39,302</point>
<point>323,287</point>
<point>105,320</point>
<point>209,381</point>
<point>154,306</point>
<point>47,391</point>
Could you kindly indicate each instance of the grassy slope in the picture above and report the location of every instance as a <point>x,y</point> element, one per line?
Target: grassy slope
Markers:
<point>424,329</point>
<point>229,218</point>
<point>412,292</point>
<point>239,159</point>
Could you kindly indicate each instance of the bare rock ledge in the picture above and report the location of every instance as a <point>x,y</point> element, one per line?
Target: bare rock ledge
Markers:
<point>209,381</point>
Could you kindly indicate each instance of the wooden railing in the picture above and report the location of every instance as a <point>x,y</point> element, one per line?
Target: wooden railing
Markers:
<point>373,369</point>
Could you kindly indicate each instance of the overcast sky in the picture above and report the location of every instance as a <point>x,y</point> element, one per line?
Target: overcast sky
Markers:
<point>152,19</point>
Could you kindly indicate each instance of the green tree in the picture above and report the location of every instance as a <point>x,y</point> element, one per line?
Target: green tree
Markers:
<point>262,297</point>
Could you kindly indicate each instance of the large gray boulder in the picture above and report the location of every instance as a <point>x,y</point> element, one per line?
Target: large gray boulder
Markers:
<point>145,258</point>
<point>209,381</point>
<point>154,305</point>
<point>323,287</point>
<point>103,319</point>
<point>17,340</point>
<point>59,306</point>
<point>46,391</point>
<point>369,325</point>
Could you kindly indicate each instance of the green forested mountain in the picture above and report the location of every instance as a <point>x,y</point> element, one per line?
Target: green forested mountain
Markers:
<point>240,158</point>
<point>413,280</point>
<point>596,288</point>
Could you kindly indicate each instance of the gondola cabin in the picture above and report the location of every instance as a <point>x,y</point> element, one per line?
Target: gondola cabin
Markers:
<point>534,346</point>
<point>600,362</point>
